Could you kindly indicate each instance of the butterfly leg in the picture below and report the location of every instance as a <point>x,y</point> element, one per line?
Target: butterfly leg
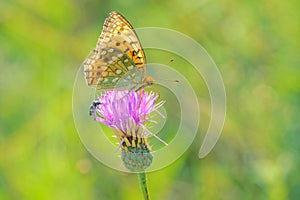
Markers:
<point>143,86</point>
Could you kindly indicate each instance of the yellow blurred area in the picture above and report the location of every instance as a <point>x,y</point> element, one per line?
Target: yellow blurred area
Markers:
<point>255,45</point>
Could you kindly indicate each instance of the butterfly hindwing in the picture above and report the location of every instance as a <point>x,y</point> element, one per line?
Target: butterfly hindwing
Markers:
<point>106,71</point>
<point>130,80</point>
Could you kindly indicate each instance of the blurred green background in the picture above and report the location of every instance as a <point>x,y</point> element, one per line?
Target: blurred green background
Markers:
<point>256,46</point>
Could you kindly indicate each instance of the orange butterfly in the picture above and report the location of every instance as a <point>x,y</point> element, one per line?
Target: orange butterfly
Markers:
<point>118,61</point>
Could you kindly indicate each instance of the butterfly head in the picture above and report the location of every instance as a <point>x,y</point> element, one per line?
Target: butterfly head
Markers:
<point>149,80</point>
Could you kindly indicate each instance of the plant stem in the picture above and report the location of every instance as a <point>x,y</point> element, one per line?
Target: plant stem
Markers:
<point>143,184</point>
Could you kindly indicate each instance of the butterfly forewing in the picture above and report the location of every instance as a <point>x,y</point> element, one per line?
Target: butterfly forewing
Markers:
<point>118,51</point>
<point>117,31</point>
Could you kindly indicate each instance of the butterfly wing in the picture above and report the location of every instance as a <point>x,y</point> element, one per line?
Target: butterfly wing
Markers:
<point>130,80</point>
<point>118,51</point>
<point>120,73</point>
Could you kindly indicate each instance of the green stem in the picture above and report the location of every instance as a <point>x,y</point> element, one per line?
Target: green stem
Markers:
<point>143,184</point>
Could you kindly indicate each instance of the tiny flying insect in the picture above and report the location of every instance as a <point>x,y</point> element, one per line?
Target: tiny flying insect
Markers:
<point>93,108</point>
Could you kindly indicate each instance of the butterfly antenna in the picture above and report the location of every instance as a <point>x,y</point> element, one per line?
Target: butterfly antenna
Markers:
<point>175,81</point>
<point>170,61</point>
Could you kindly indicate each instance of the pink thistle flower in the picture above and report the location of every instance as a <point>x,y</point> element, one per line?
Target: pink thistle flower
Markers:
<point>127,112</point>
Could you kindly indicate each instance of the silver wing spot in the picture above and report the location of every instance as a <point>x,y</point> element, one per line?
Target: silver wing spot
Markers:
<point>115,79</point>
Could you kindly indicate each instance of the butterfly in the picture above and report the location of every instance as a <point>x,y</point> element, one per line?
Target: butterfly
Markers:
<point>118,61</point>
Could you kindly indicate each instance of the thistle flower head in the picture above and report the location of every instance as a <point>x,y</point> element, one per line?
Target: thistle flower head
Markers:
<point>127,112</point>
<point>122,109</point>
